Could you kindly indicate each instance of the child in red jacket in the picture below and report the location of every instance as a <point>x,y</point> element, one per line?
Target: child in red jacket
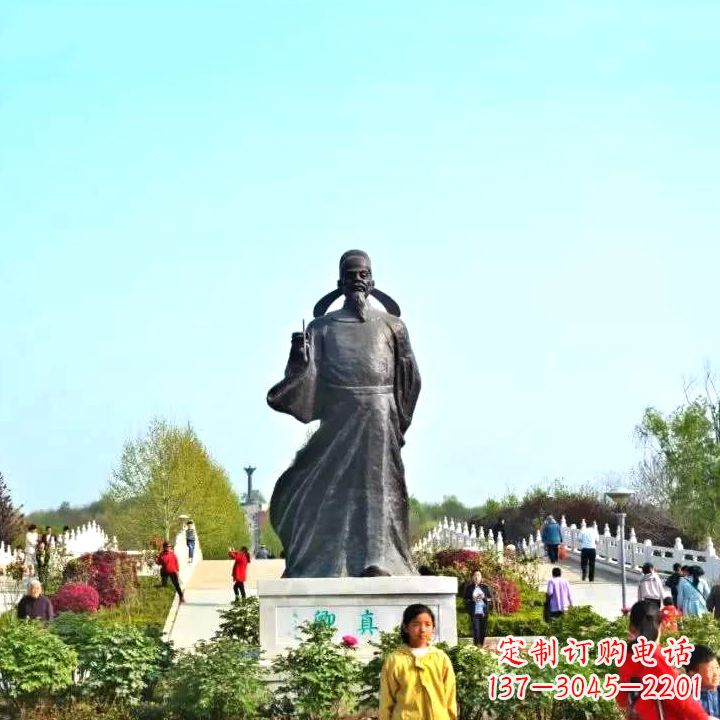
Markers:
<point>169,565</point>
<point>669,615</point>
<point>239,571</point>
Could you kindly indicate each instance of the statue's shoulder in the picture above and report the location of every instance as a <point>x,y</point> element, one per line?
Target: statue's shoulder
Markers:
<point>320,323</point>
<point>392,321</point>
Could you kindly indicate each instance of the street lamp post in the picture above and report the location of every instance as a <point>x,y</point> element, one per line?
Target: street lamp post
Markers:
<point>620,496</point>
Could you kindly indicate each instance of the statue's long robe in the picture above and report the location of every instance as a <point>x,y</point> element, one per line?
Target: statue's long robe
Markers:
<point>343,506</point>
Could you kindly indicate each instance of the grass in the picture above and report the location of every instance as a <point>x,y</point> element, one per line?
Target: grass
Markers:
<point>148,607</point>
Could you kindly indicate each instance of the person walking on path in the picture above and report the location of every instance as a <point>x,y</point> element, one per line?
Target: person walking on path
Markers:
<point>31,541</point>
<point>693,592</point>
<point>588,552</point>
<point>558,596</point>
<point>645,623</point>
<point>651,586</point>
<point>417,680</point>
<point>190,539</point>
<point>34,605</point>
<point>262,553</point>
<point>239,570</point>
<point>713,601</point>
<point>551,536</point>
<point>478,600</point>
<point>168,562</point>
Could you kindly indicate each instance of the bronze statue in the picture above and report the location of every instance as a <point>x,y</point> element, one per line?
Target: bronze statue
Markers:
<point>341,509</point>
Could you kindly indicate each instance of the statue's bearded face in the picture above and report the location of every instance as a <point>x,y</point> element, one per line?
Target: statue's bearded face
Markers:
<point>357,283</point>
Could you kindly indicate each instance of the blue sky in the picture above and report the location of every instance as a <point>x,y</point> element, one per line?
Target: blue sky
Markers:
<point>536,183</point>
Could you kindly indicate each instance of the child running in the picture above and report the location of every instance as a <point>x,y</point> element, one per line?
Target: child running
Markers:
<point>417,680</point>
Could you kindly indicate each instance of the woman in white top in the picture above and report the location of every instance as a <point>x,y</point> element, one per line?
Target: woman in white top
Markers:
<point>651,586</point>
<point>31,541</point>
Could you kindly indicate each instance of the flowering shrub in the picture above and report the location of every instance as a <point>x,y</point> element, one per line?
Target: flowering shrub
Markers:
<point>448,558</point>
<point>15,570</point>
<point>76,597</point>
<point>112,574</point>
<point>349,641</point>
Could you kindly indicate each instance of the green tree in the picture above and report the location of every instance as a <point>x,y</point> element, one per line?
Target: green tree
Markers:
<point>269,538</point>
<point>11,518</point>
<point>687,442</point>
<point>166,473</point>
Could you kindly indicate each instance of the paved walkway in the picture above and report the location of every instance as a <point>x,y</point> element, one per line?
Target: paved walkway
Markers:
<point>209,591</point>
<point>604,594</point>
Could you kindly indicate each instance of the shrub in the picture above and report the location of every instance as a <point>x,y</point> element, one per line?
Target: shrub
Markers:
<point>117,662</point>
<point>319,679</point>
<point>219,680</point>
<point>450,557</point>
<point>389,641</point>
<point>34,663</point>
<point>472,668</point>
<point>527,621</point>
<point>241,621</point>
<point>76,597</point>
<point>583,622</point>
<point>112,574</point>
<point>76,630</point>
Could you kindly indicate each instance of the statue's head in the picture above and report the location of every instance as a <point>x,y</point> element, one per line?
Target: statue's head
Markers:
<point>356,281</point>
<point>355,273</point>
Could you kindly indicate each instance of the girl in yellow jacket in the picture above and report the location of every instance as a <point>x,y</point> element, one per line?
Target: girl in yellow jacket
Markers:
<point>417,680</point>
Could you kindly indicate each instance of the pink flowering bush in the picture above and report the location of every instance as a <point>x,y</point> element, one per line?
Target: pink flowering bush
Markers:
<point>76,597</point>
<point>112,574</point>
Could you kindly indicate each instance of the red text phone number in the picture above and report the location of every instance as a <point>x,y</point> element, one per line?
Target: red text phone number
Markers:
<point>577,687</point>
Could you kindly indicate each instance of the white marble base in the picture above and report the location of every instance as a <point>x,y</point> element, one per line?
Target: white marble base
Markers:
<point>361,607</point>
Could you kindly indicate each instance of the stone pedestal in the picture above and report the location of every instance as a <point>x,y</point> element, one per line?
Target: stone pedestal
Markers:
<point>361,607</point>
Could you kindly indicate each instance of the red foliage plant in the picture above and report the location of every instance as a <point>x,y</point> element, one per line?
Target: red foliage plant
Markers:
<point>506,596</point>
<point>76,597</point>
<point>448,558</point>
<point>112,574</point>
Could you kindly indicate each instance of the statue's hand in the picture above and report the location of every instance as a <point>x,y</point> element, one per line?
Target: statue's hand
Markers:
<point>299,347</point>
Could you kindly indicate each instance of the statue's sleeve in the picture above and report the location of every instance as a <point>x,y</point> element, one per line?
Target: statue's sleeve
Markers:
<point>297,393</point>
<point>407,376</point>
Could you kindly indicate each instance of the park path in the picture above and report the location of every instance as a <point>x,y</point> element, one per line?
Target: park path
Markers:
<point>208,591</point>
<point>603,595</point>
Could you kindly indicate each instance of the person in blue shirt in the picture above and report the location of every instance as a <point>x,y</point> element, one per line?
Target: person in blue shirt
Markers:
<point>551,536</point>
<point>704,663</point>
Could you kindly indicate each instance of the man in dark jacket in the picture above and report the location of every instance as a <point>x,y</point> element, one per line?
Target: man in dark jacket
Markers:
<point>478,600</point>
<point>34,605</point>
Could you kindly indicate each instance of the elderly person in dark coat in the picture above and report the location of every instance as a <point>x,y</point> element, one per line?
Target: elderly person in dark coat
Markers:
<point>34,605</point>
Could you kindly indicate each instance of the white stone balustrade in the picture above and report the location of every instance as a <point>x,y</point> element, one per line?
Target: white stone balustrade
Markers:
<point>608,546</point>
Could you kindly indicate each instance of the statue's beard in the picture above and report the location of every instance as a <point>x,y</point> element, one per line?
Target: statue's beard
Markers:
<point>357,303</point>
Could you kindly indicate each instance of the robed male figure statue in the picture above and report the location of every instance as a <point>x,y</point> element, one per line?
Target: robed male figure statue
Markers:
<point>342,507</point>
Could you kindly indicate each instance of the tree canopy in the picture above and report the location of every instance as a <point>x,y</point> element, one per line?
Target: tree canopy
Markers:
<point>684,446</point>
<point>166,473</point>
